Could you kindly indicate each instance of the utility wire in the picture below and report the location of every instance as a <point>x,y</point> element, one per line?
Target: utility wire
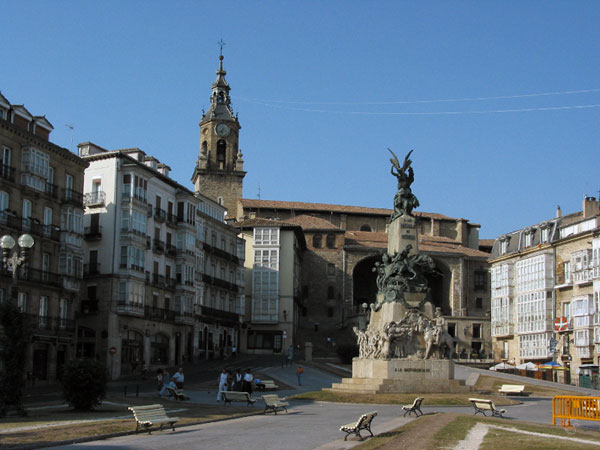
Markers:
<point>410,102</point>
<point>436,113</point>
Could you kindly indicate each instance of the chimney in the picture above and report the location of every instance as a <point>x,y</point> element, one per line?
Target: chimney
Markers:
<point>558,211</point>
<point>591,207</point>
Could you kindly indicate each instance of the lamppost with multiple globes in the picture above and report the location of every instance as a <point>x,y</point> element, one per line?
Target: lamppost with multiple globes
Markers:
<point>13,260</point>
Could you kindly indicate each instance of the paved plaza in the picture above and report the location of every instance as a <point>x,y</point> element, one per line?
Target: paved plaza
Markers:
<point>310,425</point>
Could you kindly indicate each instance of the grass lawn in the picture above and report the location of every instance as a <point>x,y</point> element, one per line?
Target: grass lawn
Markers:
<point>58,423</point>
<point>434,431</point>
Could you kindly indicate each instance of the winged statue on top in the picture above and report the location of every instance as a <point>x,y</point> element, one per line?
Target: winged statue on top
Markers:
<point>404,200</point>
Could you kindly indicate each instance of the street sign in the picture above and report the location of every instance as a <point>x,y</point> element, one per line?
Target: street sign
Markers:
<point>561,324</point>
<point>553,344</point>
<point>112,350</point>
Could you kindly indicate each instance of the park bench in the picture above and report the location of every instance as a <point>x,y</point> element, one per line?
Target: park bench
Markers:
<point>482,405</point>
<point>176,393</point>
<point>414,408</point>
<point>363,423</point>
<point>264,385</point>
<point>237,396</point>
<point>274,403</point>
<point>147,416</point>
<point>513,389</point>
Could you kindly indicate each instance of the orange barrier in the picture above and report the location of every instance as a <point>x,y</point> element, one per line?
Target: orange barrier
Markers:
<point>567,407</point>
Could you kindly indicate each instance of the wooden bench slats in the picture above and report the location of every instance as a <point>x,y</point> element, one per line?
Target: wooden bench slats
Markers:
<point>237,396</point>
<point>274,403</point>
<point>149,415</point>
<point>482,405</point>
<point>414,408</point>
<point>363,423</point>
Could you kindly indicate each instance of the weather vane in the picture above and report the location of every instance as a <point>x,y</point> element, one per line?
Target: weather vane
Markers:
<point>221,44</point>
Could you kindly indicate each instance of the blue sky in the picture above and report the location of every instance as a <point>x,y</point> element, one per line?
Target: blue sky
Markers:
<point>323,88</point>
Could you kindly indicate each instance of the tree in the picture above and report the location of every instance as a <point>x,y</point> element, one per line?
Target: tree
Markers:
<point>84,383</point>
<point>12,355</point>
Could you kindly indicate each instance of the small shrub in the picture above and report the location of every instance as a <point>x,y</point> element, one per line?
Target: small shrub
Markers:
<point>346,352</point>
<point>84,383</point>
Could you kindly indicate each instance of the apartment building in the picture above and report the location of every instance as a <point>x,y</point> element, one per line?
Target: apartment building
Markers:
<point>273,284</point>
<point>162,269</point>
<point>41,195</point>
<point>542,290</point>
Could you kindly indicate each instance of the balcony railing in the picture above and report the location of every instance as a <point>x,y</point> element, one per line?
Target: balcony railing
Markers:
<point>89,306</point>
<point>7,172</point>
<point>70,283</point>
<point>92,233</point>
<point>72,196</point>
<point>158,280</point>
<point>159,246</point>
<point>131,309</point>
<point>160,215</point>
<point>49,324</point>
<point>171,219</point>
<point>97,198</point>
<point>91,269</point>
<point>50,189</point>
<point>170,250</point>
<point>42,277</point>
<point>160,314</point>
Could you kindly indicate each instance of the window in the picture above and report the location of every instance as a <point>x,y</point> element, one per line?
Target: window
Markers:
<point>476,331</point>
<point>35,162</point>
<point>22,301</point>
<point>45,265</point>
<point>43,313</point>
<point>5,155</point>
<point>26,214</point>
<point>567,268</point>
<point>4,198</point>
<point>317,241</point>
<point>68,186</point>
<point>266,236</point>
<point>47,221</point>
<point>330,293</point>
<point>331,241</point>
<point>452,329</point>
<point>480,280</point>
<point>63,312</point>
<point>365,227</point>
<point>479,303</point>
<point>268,258</point>
<point>330,269</point>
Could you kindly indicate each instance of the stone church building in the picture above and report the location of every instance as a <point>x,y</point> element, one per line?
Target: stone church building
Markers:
<point>342,245</point>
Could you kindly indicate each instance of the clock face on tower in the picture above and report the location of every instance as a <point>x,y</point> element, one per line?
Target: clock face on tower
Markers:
<point>222,130</point>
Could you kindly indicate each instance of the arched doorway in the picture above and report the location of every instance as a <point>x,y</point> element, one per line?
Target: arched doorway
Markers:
<point>132,351</point>
<point>439,283</point>
<point>364,282</point>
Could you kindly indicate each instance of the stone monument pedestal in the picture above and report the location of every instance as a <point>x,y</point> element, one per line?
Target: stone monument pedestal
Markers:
<point>376,376</point>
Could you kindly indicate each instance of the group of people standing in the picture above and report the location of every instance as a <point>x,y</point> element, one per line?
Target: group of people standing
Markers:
<point>229,381</point>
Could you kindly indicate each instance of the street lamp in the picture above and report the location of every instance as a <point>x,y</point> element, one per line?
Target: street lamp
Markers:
<point>12,260</point>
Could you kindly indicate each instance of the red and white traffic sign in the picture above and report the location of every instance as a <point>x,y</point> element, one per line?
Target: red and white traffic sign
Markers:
<point>112,350</point>
<point>561,324</point>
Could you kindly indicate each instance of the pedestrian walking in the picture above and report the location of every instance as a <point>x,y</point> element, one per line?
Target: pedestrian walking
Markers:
<point>290,355</point>
<point>237,380</point>
<point>247,383</point>
<point>222,384</point>
<point>299,373</point>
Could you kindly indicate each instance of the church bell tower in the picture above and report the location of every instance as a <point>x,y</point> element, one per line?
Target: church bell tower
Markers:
<point>219,171</point>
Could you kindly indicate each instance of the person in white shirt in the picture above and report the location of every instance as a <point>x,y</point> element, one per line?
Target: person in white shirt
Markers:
<point>222,385</point>
<point>247,385</point>
<point>179,378</point>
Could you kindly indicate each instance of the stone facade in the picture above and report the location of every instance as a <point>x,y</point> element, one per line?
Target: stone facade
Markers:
<point>338,278</point>
<point>41,187</point>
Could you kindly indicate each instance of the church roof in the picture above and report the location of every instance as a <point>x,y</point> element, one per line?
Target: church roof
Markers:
<point>308,222</point>
<point>344,209</point>
<point>428,244</point>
